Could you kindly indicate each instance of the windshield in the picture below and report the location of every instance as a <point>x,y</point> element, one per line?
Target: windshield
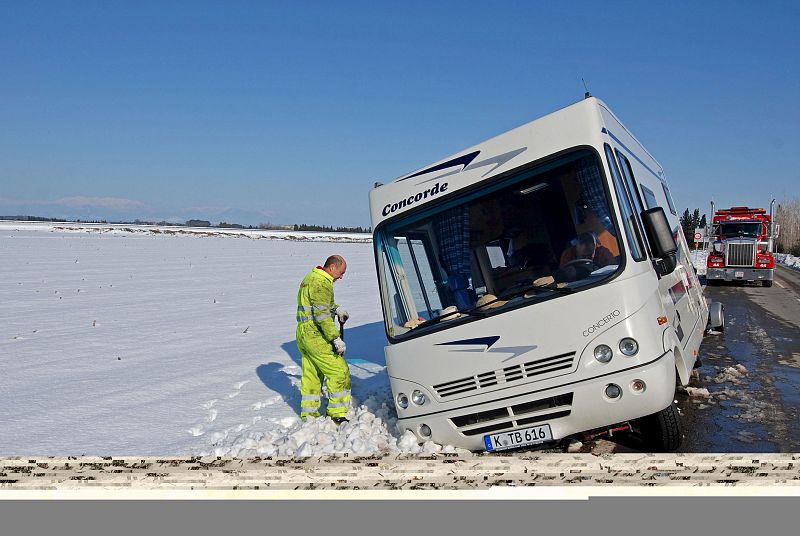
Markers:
<point>739,229</point>
<point>541,234</point>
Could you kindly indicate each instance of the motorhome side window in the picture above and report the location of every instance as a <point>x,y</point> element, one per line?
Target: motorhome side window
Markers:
<point>649,197</point>
<point>539,235</point>
<point>633,191</point>
<point>628,216</point>
<point>669,199</point>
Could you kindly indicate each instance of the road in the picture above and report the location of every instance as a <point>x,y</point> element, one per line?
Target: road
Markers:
<point>760,410</point>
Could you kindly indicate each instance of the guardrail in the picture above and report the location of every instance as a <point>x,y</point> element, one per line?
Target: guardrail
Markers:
<point>434,472</point>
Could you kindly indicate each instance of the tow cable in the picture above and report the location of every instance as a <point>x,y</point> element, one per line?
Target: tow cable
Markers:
<point>588,436</point>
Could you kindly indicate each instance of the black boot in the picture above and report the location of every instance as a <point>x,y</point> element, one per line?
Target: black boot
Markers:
<point>339,420</point>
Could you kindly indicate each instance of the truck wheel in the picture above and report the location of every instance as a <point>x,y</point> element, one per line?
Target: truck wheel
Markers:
<point>767,282</point>
<point>711,282</point>
<point>662,431</point>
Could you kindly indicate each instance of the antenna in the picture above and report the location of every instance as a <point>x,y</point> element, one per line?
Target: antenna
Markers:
<point>586,87</point>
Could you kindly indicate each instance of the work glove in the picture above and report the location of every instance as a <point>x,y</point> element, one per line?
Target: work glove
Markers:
<point>339,345</point>
<point>342,315</point>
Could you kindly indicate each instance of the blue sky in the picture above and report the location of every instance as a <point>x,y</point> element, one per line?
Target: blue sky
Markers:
<point>288,112</point>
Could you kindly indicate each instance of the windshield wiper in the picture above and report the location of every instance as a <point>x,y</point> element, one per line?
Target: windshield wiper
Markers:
<point>434,321</point>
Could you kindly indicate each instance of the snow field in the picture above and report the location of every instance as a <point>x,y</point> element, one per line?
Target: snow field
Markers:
<point>146,344</point>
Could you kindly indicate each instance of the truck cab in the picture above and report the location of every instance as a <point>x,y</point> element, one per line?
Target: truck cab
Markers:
<point>742,241</point>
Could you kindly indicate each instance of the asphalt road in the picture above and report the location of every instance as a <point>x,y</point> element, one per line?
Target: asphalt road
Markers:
<point>760,410</point>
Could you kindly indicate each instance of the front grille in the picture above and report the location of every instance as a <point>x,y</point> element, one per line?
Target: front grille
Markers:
<point>742,254</point>
<point>543,410</point>
<point>540,369</point>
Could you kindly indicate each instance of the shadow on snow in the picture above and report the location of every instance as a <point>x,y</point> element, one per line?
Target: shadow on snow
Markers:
<point>364,345</point>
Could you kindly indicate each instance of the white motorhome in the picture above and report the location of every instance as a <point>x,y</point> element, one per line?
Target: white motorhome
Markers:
<point>533,288</point>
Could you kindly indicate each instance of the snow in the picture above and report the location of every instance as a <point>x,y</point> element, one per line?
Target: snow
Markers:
<point>141,343</point>
<point>574,446</point>
<point>787,259</point>
<point>698,392</point>
<point>698,258</point>
<point>731,374</point>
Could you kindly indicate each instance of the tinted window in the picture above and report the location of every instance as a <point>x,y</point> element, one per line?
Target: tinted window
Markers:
<point>649,197</point>
<point>669,199</point>
<point>628,216</point>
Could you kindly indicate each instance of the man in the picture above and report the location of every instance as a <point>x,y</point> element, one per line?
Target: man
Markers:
<point>321,344</point>
<point>587,247</point>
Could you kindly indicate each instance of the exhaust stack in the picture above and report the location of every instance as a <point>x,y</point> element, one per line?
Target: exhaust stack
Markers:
<point>771,225</point>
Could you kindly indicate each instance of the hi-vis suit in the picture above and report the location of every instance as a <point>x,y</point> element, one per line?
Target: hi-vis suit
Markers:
<point>316,330</point>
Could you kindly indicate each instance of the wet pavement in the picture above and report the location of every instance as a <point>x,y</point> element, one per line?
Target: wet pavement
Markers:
<point>755,408</point>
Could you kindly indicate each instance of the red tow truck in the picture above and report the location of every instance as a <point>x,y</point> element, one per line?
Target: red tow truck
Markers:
<point>742,241</point>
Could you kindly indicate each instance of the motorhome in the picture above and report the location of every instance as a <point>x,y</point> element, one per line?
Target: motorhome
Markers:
<point>536,286</point>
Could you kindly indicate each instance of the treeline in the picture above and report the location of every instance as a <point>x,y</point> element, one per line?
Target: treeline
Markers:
<point>330,229</point>
<point>787,215</point>
<point>204,223</point>
<point>31,218</point>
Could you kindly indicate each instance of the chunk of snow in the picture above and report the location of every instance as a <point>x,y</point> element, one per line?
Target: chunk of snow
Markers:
<point>731,374</point>
<point>574,446</point>
<point>698,392</point>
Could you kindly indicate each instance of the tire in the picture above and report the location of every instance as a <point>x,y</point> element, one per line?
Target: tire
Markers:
<point>712,282</point>
<point>662,431</point>
<point>767,282</point>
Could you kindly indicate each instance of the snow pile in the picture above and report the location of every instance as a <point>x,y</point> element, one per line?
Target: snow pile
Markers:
<point>731,374</point>
<point>787,259</point>
<point>698,257</point>
<point>366,434</point>
<point>698,392</point>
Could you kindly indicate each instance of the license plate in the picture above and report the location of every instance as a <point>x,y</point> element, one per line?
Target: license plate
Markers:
<point>518,438</point>
<point>739,274</point>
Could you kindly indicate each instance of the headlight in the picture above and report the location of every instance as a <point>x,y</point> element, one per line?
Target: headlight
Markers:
<point>402,400</point>
<point>628,346</point>
<point>603,353</point>
<point>418,397</point>
<point>425,430</point>
<point>613,391</point>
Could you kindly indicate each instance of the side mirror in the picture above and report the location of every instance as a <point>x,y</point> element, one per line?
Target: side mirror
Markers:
<point>662,241</point>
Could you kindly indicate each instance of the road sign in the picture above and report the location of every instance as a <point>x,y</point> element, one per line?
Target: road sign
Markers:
<point>699,235</point>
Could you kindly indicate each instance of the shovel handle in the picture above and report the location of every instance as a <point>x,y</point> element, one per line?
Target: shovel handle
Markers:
<point>341,329</point>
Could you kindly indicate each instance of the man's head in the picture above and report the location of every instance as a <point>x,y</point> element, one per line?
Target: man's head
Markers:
<point>335,266</point>
<point>585,246</point>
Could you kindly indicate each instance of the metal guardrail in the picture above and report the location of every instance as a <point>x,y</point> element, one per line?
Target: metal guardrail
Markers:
<point>434,472</point>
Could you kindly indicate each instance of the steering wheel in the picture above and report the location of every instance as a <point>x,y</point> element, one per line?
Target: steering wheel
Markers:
<point>581,267</point>
<point>588,264</point>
